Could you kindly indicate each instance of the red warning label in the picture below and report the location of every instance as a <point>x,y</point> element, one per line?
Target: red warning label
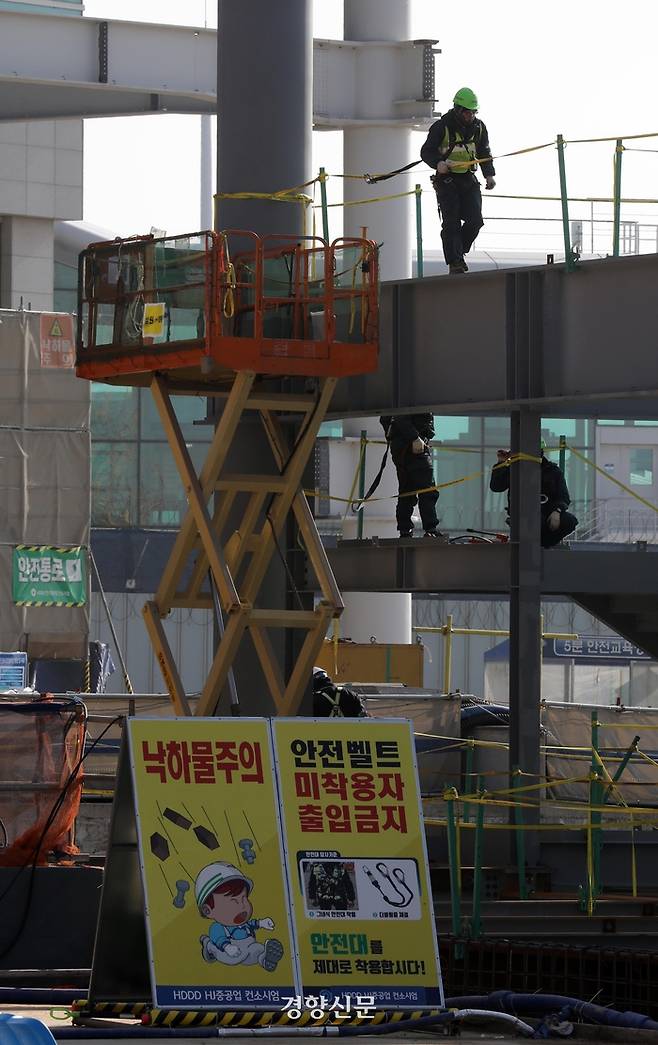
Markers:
<point>56,340</point>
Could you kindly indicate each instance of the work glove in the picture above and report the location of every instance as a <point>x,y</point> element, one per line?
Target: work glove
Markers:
<point>491,183</point>
<point>442,167</point>
<point>419,446</point>
<point>266,923</point>
<point>554,521</point>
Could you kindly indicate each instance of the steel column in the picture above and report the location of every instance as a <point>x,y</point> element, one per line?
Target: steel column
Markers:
<point>264,51</point>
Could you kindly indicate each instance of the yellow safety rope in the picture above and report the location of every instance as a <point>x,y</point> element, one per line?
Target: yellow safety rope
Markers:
<point>617,482</point>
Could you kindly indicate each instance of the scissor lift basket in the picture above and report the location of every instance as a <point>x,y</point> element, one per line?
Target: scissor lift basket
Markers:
<point>203,306</point>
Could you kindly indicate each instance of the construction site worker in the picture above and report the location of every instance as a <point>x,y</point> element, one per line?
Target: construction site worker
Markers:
<point>556,522</point>
<point>409,437</point>
<point>332,701</point>
<point>453,145</point>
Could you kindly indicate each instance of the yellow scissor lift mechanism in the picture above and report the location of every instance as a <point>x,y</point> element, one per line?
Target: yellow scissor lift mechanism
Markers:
<point>230,314</point>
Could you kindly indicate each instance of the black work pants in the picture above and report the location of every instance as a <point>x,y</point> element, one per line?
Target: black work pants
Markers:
<point>460,206</point>
<point>549,538</point>
<point>415,473</point>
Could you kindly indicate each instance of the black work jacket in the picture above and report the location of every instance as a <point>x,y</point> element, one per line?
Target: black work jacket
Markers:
<point>432,151</point>
<point>401,432</point>
<point>553,486</point>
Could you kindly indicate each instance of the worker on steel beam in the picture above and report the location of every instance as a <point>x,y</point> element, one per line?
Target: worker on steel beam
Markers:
<point>409,437</point>
<point>556,522</point>
<point>453,145</point>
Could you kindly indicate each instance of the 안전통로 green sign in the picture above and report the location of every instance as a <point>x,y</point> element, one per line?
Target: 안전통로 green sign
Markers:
<point>45,576</point>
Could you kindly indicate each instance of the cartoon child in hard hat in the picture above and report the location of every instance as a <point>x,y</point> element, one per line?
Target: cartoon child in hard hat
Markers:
<point>222,894</point>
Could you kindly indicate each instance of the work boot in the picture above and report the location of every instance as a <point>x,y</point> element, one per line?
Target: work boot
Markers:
<point>437,535</point>
<point>406,533</point>
<point>457,267</point>
<point>272,955</point>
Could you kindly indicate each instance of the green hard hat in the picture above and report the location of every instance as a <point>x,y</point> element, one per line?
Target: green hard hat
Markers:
<point>466,98</point>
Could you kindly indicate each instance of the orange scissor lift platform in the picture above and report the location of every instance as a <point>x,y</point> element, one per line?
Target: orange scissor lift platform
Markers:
<point>230,314</point>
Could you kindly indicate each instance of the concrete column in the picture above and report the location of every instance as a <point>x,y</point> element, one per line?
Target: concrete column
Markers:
<point>264,87</point>
<point>384,617</point>
<point>206,179</point>
<point>26,263</point>
<point>377,149</point>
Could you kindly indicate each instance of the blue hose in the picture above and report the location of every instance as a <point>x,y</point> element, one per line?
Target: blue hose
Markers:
<point>540,1004</point>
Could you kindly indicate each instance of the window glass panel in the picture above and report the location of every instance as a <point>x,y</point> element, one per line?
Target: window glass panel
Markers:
<point>114,484</point>
<point>331,430</point>
<point>497,433</point>
<point>459,506</point>
<point>113,411</point>
<point>458,429</point>
<point>641,466</point>
<point>645,424</point>
<point>188,409</point>
<point>553,427</point>
<point>162,498</point>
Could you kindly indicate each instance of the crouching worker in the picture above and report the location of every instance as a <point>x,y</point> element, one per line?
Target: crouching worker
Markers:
<point>409,437</point>
<point>556,522</point>
<point>332,701</point>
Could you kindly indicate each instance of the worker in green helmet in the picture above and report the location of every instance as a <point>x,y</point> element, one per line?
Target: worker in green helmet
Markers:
<point>456,146</point>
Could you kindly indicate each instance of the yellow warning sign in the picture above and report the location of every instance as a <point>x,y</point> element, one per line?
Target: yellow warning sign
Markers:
<point>56,341</point>
<point>217,906</point>
<point>153,321</point>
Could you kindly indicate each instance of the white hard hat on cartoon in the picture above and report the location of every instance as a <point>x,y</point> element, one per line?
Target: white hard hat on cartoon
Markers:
<point>212,876</point>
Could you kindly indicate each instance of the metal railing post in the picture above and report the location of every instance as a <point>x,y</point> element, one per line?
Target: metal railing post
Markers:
<point>453,865</point>
<point>595,816</point>
<point>362,482</point>
<point>447,654</point>
<point>468,781</point>
<point>476,921</point>
<point>616,193</point>
<point>322,178</point>
<point>563,452</point>
<point>569,256</point>
<point>419,231</point>
<point>519,837</point>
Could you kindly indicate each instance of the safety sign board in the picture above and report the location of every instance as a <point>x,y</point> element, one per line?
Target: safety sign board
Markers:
<point>56,341</point>
<point>211,863</point>
<point>46,576</point>
<point>253,862</point>
<point>153,321</point>
<point>13,670</point>
<point>357,860</point>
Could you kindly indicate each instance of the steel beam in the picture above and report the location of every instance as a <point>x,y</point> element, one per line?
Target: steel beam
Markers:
<point>592,359</point>
<point>424,567</point>
<point>111,67</point>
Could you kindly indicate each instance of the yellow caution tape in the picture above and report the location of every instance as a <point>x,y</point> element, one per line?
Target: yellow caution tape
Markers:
<point>614,138</point>
<point>617,482</point>
<point>372,199</point>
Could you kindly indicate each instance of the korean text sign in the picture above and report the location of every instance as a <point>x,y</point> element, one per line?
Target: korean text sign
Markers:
<point>357,861</point>
<point>46,576</point>
<point>212,864</point>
